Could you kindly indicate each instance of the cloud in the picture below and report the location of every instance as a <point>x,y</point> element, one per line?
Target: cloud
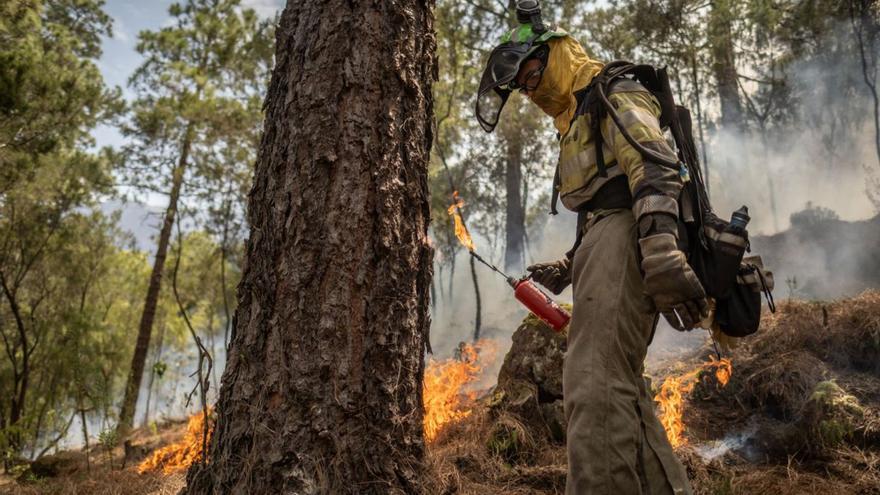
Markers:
<point>264,8</point>
<point>120,31</point>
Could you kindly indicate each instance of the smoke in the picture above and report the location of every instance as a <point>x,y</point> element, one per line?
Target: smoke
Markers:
<point>815,145</point>
<point>815,150</point>
<point>780,175</point>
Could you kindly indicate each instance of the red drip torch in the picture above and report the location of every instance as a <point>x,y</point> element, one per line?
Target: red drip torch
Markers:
<point>533,298</point>
<point>539,303</point>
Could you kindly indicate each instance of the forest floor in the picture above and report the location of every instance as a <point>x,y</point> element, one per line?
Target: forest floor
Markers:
<point>799,415</point>
<point>104,471</point>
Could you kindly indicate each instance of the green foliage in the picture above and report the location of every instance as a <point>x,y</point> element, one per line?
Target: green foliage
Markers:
<point>51,91</point>
<point>813,216</point>
<point>198,98</point>
<point>833,413</point>
<point>56,250</point>
<point>464,157</point>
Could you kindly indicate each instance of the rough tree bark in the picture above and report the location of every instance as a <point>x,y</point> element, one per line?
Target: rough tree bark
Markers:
<point>145,329</point>
<point>322,389</point>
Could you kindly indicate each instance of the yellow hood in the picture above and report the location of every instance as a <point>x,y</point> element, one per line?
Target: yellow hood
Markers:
<point>569,69</point>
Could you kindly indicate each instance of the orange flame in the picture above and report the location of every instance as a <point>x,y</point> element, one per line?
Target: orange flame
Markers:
<point>445,391</point>
<point>461,231</point>
<point>671,396</point>
<point>179,456</point>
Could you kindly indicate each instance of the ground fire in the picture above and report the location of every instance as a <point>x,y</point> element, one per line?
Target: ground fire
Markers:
<point>179,456</point>
<point>451,385</point>
<point>671,395</point>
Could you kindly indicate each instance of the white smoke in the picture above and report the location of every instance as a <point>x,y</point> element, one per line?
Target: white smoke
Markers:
<point>823,155</point>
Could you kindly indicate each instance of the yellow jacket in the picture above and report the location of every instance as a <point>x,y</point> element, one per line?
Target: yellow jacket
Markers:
<point>569,69</point>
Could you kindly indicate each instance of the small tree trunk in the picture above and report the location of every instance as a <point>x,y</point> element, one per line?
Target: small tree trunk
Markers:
<point>721,19</point>
<point>85,432</point>
<point>21,379</point>
<point>515,218</point>
<point>866,30</point>
<point>156,360</point>
<point>695,80</point>
<point>478,318</point>
<point>323,382</point>
<point>138,360</point>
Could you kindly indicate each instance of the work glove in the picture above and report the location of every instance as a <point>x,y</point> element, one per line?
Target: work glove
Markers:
<point>671,282</point>
<point>555,276</point>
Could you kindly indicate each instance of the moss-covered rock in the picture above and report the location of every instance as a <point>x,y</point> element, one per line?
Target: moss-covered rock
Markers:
<point>530,380</point>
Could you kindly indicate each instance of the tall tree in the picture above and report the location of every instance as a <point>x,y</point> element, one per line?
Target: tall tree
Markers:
<point>51,97</point>
<point>722,16</point>
<point>865,20</point>
<point>322,388</point>
<point>189,89</point>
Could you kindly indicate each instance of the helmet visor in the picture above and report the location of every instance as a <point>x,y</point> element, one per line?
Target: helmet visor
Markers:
<point>502,67</point>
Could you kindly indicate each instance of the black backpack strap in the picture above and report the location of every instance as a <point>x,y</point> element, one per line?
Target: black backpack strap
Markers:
<point>554,194</point>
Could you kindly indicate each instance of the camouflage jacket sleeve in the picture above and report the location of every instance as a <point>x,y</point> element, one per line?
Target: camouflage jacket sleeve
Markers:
<point>655,188</point>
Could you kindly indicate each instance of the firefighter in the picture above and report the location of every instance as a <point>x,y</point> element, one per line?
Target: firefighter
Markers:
<point>625,270</point>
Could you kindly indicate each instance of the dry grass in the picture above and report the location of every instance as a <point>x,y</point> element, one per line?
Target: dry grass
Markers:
<point>774,374</point>
<point>101,480</point>
<point>462,460</point>
<point>105,474</point>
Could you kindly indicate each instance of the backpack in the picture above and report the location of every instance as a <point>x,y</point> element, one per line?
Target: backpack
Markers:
<point>714,247</point>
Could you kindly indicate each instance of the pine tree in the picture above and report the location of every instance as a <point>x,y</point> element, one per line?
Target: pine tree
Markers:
<point>322,387</point>
<point>191,87</point>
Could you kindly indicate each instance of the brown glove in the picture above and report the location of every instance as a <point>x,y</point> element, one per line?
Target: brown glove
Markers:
<point>671,283</point>
<point>555,276</point>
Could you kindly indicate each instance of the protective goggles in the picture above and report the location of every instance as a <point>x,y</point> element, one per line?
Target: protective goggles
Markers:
<point>499,79</point>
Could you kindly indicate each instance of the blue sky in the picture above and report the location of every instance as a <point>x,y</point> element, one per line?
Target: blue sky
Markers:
<point>120,58</point>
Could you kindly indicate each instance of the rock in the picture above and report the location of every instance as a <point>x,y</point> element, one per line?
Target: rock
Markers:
<point>536,356</point>
<point>530,380</point>
<point>554,417</point>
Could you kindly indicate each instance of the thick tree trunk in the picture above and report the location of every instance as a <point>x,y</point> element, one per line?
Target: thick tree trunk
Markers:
<point>322,387</point>
<point>724,64</point>
<point>145,329</point>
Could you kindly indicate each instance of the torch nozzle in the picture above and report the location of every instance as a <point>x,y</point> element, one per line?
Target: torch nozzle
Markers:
<point>490,265</point>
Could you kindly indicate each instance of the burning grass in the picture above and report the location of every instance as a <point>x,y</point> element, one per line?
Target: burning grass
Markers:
<point>805,390</point>
<point>673,391</point>
<point>178,456</point>
<point>806,384</point>
<point>449,386</point>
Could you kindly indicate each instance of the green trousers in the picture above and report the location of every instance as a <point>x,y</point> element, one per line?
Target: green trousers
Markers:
<point>615,443</point>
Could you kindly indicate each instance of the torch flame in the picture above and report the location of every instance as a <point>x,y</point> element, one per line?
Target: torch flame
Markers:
<point>460,230</point>
<point>445,391</point>
<point>179,456</point>
<point>671,396</point>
